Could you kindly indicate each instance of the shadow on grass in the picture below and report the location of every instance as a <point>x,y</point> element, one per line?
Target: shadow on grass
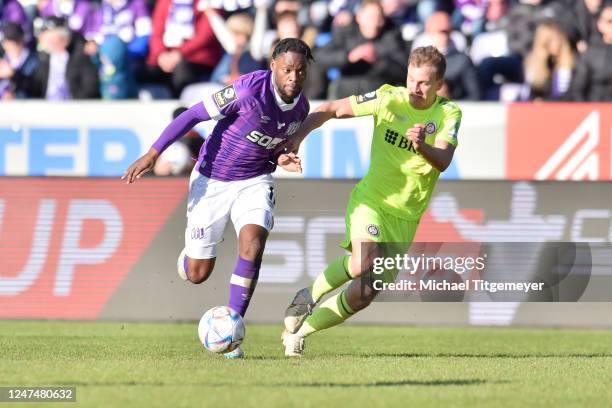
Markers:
<point>400,383</point>
<point>467,355</point>
<point>430,383</point>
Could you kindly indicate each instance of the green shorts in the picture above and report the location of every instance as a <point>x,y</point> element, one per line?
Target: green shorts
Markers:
<point>364,221</point>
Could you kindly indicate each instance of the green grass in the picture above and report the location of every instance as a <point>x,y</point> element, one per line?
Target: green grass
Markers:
<point>145,365</point>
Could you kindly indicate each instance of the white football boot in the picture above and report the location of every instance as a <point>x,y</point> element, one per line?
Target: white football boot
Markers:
<point>294,344</point>
<point>180,266</point>
<point>300,308</point>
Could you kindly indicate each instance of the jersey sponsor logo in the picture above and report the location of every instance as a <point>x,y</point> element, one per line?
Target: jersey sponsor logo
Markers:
<point>392,136</point>
<point>293,127</point>
<point>430,128</point>
<point>370,96</point>
<point>265,119</point>
<point>373,230</point>
<point>262,140</point>
<point>225,96</point>
<point>279,125</point>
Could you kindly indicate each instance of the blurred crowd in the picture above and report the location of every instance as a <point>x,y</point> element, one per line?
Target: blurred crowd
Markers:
<point>508,50</point>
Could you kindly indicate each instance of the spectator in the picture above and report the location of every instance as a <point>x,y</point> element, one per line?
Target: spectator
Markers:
<point>584,22</point>
<point>458,40</point>
<point>65,71</point>
<point>593,78</point>
<point>368,54</point>
<point>523,19</point>
<point>120,45</point>
<point>80,14</point>
<point>234,35</point>
<point>470,16</point>
<point>549,65</point>
<point>11,11</point>
<point>183,48</point>
<point>493,40</point>
<point>17,61</point>
<point>287,26</point>
<point>116,78</point>
<point>461,77</point>
<point>130,20</point>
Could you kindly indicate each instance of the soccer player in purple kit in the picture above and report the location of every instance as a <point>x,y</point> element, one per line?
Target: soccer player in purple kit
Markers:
<point>232,177</point>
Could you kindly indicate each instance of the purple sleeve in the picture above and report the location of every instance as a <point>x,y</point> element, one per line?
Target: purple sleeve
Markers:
<point>229,100</point>
<point>179,126</point>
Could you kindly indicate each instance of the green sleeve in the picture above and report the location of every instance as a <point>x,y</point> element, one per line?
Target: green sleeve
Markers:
<point>450,126</point>
<point>366,104</point>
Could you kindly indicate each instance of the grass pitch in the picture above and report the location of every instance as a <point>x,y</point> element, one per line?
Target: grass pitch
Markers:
<point>145,365</point>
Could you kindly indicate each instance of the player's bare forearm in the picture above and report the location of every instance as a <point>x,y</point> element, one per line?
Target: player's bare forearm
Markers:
<point>339,109</point>
<point>439,156</point>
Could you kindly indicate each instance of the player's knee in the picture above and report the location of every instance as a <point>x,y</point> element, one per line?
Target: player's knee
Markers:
<point>252,245</point>
<point>362,265</point>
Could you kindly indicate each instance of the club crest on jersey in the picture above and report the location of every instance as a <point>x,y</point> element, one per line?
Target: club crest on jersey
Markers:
<point>430,128</point>
<point>370,96</point>
<point>373,230</point>
<point>225,96</point>
<point>292,128</point>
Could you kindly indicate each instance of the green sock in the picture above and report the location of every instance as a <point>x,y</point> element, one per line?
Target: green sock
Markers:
<point>335,275</point>
<point>332,312</point>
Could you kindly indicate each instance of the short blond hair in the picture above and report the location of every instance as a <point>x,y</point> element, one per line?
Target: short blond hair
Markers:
<point>429,56</point>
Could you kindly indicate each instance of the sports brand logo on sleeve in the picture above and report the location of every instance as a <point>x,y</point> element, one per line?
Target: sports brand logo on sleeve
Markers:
<point>370,96</point>
<point>225,96</point>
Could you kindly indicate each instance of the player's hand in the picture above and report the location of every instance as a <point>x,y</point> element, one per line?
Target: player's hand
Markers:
<point>416,134</point>
<point>290,162</point>
<point>140,167</point>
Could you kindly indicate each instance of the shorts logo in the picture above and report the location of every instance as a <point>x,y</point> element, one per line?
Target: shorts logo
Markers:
<point>197,233</point>
<point>373,230</point>
<point>225,96</point>
<point>430,128</point>
<point>370,96</point>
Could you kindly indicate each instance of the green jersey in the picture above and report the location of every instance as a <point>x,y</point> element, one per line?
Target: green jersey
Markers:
<point>400,180</point>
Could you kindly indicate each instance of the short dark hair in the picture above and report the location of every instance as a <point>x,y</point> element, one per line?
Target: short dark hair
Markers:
<point>429,56</point>
<point>295,45</point>
<point>13,32</point>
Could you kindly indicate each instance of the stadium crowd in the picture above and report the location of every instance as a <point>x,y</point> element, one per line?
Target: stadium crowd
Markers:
<point>118,49</point>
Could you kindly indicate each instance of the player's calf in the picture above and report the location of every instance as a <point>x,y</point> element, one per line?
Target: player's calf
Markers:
<point>360,293</point>
<point>194,270</point>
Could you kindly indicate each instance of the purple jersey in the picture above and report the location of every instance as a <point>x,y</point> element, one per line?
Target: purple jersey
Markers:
<point>252,121</point>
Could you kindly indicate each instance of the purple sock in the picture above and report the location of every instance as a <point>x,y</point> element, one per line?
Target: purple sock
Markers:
<point>185,263</point>
<point>242,284</point>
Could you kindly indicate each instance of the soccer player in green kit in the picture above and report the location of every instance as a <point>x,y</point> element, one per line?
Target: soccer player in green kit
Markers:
<point>415,136</point>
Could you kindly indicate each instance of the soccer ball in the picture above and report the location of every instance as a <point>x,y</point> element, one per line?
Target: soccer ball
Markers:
<point>221,329</point>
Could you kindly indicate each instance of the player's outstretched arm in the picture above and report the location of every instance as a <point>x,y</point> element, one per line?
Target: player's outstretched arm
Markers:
<point>339,109</point>
<point>141,166</point>
<point>439,155</point>
<point>174,131</point>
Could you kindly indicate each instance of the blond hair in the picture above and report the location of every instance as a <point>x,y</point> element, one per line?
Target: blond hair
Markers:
<point>429,56</point>
<point>537,64</point>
